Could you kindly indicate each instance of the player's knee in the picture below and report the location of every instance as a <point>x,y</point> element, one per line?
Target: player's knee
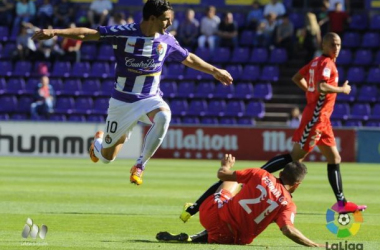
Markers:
<point>162,119</point>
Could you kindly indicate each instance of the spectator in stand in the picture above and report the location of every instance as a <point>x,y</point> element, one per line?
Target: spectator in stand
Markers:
<point>265,31</point>
<point>344,3</point>
<point>44,99</point>
<point>228,31</point>
<point>284,35</point>
<point>25,12</point>
<point>6,12</point>
<point>26,48</point>
<point>311,36</point>
<point>71,47</point>
<point>117,19</point>
<point>209,28</point>
<point>323,17</point>
<point>338,19</point>
<point>254,16</point>
<point>45,14</point>
<point>63,13</point>
<point>188,30</point>
<point>48,49</point>
<point>130,19</point>
<point>99,12</point>
<point>295,118</point>
<point>172,29</point>
<point>275,7</point>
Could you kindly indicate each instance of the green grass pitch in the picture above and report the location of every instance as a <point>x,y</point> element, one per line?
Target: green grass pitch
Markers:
<point>93,206</point>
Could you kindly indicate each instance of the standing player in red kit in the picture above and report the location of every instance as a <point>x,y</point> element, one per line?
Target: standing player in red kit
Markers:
<point>231,218</point>
<point>319,80</point>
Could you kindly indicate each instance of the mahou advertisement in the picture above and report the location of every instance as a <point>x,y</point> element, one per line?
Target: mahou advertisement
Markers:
<point>244,143</point>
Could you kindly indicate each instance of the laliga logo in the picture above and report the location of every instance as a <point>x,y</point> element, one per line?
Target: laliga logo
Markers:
<point>33,230</point>
<point>343,226</point>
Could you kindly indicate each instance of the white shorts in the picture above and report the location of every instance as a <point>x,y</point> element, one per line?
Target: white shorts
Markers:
<point>123,116</point>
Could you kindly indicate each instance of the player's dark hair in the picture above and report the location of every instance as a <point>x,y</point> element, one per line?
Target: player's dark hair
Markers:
<point>293,172</point>
<point>155,8</point>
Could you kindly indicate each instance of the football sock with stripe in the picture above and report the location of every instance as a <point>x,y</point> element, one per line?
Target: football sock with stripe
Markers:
<point>98,150</point>
<point>277,163</point>
<point>335,179</point>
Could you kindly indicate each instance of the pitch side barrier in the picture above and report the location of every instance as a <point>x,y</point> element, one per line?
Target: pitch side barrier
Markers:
<point>63,139</point>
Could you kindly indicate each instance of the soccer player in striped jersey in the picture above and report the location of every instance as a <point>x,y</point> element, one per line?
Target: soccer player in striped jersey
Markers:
<point>319,80</point>
<point>140,51</point>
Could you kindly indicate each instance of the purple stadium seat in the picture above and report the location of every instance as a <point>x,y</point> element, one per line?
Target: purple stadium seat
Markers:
<point>375,23</point>
<point>240,19</point>
<point>8,104</point>
<point>72,87</point>
<point>235,71</point>
<point>263,91</point>
<point>224,92</point>
<point>209,120</point>
<point>235,109</point>
<point>259,55</point>
<point>137,16</point>
<point>6,68</point>
<point>350,97</point>
<point>246,38</point>
<point>227,121</point>
<point>175,71</point>
<point>83,106</point>
<point>270,73</point>
<point>96,118</point>
<point>360,111</point>
<point>374,124</point>
<point>168,88</point>
<point>355,75</point>
<point>278,55</point>
<point>175,120</point>
<point>100,106</point>
<point>80,69</point>
<point>371,40</point>
<point>22,68</point>
<point>192,74</point>
<point>186,89</point>
<point>377,58</point>
<point>363,57</point>
<point>336,123</point>
<point>240,55</point>
<point>216,108</point>
<point>358,21</point>
<point>15,86</point>
<point>341,111</point>
<point>353,123</point>
<point>105,53</point>
<point>19,117</point>
<point>374,76</point>
<point>4,33</point>
<point>7,51</point>
<point>203,53</point>
<point>100,70</point>
<point>179,107</point>
<point>64,105</point>
<point>345,57</point>
<point>61,69</point>
<point>76,118</point>
<point>197,108</point>
<point>255,109</point>
<point>107,87</point>
<point>298,20</point>
<point>205,90</point>
<point>375,114</point>
<point>351,39</point>
<point>24,103</point>
<point>3,86</point>
<point>243,91</point>
<point>4,117</point>
<point>57,85</point>
<point>367,93</point>
<point>250,73</point>
<point>88,51</point>
<point>221,55</point>
<point>57,117</point>
<point>246,121</point>
<point>342,74</point>
<point>190,120</point>
<point>90,87</point>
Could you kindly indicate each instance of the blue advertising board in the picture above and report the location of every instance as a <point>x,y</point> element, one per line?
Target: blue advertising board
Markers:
<point>368,149</point>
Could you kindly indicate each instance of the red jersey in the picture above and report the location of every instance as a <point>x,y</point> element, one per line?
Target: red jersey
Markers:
<point>261,201</point>
<point>319,106</point>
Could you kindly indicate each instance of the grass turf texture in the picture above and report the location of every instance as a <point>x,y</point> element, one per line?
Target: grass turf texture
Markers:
<point>93,206</point>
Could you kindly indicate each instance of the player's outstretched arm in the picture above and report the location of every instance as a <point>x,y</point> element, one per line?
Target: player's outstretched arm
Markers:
<point>325,88</point>
<point>197,63</point>
<point>295,235</point>
<point>84,34</point>
<point>225,173</point>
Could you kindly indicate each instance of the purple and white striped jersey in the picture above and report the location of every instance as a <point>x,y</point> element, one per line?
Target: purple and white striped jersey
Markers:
<point>139,60</point>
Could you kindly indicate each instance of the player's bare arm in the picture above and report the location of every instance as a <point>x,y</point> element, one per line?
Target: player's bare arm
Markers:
<point>295,235</point>
<point>325,88</point>
<point>300,81</point>
<point>83,34</point>
<point>225,173</point>
<point>197,63</point>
